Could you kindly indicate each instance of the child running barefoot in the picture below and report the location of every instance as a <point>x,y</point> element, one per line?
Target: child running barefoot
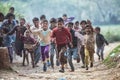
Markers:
<point>29,43</point>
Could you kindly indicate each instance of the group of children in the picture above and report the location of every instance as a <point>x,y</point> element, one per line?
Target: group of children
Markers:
<point>64,38</point>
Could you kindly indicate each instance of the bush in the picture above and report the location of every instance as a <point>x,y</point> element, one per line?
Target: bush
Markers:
<point>111,32</point>
<point>4,8</point>
<point>112,37</point>
<point>113,58</point>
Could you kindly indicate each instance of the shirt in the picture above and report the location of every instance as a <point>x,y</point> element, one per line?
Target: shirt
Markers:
<point>44,36</point>
<point>80,36</point>
<point>62,35</point>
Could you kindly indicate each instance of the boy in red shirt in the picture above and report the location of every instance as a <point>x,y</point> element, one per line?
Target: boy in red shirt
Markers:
<point>62,37</point>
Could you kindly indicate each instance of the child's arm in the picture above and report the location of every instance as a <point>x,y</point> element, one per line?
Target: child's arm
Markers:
<point>80,36</point>
<point>104,40</point>
<point>13,30</point>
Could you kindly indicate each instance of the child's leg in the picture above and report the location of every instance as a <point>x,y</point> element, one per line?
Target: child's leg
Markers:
<point>27,59</point>
<point>24,52</point>
<point>10,54</point>
<point>46,51</point>
<point>63,59</point>
<point>32,58</point>
<point>70,59</point>
<point>43,58</point>
<point>37,54</point>
<point>82,53</point>
<point>52,52</point>
<point>98,51</point>
<point>102,50</point>
<point>25,56</point>
<point>86,58</point>
<point>91,59</point>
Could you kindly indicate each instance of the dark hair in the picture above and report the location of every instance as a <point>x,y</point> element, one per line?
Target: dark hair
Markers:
<point>70,24</point>
<point>83,21</point>
<point>77,22</point>
<point>97,28</point>
<point>1,15</point>
<point>9,15</point>
<point>64,15</point>
<point>89,26</point>
<point>53,20</point>
<point>12,8</point>
<point>60,20</point>
<point>23,19</point>
<point>35,19</point>
<point>42,17</point>
<point>45,21</point>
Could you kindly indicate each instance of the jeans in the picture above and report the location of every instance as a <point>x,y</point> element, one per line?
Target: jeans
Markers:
<point>82,54</point>
<point>37,54</point>
<point>72,52</point>
<point>53,50</point>
<point>10,51</point>
<point>100,50</point>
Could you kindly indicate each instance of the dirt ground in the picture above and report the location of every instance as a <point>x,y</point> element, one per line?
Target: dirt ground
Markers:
<point>98,72</point>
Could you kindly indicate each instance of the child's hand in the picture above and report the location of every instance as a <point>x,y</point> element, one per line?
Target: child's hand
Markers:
<point>21,35</point>
<point>107,44</point>
<point>28,25</point>
<point>71,44</point>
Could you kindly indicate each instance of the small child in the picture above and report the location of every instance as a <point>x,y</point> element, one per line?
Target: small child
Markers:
<point>89,46</point>
<point>29,43</point>
<point>100,43</point>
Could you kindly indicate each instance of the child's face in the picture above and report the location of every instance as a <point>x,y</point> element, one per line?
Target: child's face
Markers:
<point>22,22</point>
<point>36,23</point>
<point>88,30</point>
<point>83,25</point>
<point>11,18</point>
<point>60,24</point>
<point>70,26</point>
<point>77,24</point>
<point>97,31</point>
<point>64,18</point>
<point>27,34</point>
<point>45,25</point>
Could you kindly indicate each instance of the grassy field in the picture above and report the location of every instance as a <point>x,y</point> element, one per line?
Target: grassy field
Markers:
<point>111,32</point>
<point>113,58</point>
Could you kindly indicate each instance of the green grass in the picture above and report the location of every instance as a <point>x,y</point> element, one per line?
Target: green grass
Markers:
<point>111,61</point>
<point>111,32</point>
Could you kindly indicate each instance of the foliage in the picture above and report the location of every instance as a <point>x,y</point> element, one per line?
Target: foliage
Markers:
<point>4,8</point>
<point>103,11</point>
<point>113,58</point>
<point>111,32</point>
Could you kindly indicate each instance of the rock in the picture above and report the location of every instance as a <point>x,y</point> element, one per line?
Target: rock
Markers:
<point>4,58</point>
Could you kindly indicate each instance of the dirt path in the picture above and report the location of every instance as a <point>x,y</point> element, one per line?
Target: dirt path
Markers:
<point>98,72</point>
